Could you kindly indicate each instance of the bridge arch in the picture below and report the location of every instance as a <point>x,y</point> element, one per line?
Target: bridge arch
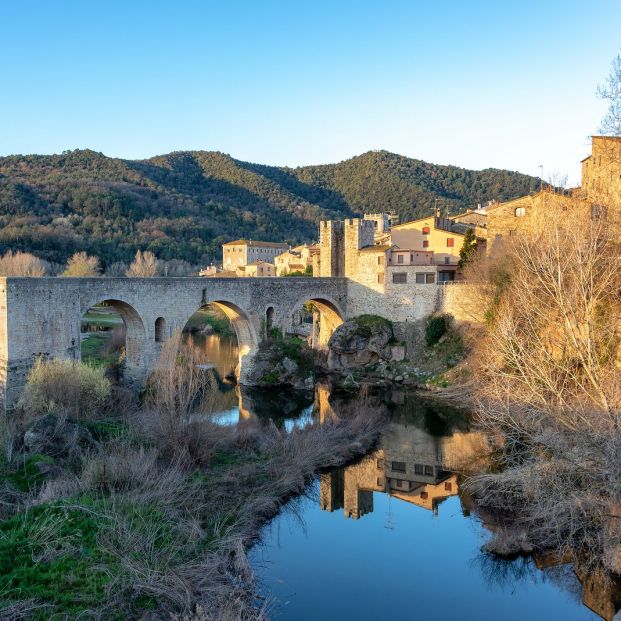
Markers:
<point>243,325</point>
<point>327,317</point>
<point>135,337</point>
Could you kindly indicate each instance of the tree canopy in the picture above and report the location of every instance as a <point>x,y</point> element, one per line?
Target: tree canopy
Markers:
<point>183,205</point>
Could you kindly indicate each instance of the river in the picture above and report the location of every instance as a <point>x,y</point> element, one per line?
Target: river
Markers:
<point>394,535</point>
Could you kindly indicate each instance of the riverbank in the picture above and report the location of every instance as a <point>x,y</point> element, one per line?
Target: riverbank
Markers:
<point>142,515</point>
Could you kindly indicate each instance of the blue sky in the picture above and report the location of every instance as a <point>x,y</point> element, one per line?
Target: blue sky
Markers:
<point>506,84</point>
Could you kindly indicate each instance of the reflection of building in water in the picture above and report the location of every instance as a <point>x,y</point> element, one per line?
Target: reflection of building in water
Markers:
<point>598,592</point>
<point>410,464</point>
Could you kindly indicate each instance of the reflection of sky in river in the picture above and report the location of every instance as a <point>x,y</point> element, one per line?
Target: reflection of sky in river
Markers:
<point>398,562</point>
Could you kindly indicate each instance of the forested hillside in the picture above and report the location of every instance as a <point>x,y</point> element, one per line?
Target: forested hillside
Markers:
<point>185,204</point>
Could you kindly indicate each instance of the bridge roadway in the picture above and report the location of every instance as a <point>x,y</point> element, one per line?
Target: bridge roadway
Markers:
<point>40,317</point>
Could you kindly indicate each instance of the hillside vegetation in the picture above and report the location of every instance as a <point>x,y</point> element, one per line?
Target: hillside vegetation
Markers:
<point>185,204</point>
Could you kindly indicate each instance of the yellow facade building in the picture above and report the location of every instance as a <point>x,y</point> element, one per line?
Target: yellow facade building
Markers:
<point>432,234</point>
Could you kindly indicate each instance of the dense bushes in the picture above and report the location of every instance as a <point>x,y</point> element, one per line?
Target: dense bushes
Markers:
<point>436,328</point>
<point>64,387</point>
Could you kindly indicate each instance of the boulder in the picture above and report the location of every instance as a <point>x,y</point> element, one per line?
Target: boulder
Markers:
<point>286,362</point>
<point>360,341</point>
<point>58,438</point>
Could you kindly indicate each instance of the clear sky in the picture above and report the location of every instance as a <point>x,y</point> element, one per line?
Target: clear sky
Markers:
<point>504,83</point>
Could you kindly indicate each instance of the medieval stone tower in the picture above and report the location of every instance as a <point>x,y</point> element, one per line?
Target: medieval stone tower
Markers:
<point>339,243</point>
<point>358,234</point>
<point>331,248</point>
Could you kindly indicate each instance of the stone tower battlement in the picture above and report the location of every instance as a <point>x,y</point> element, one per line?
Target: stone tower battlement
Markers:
<point>331,248</point>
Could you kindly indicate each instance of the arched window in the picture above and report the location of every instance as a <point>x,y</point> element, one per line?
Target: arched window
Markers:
<point>160,330</point>
<point>520,212</point>
<point>269,320</point>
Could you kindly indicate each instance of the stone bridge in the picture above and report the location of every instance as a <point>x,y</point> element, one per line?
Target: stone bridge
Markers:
<point>40,317</point>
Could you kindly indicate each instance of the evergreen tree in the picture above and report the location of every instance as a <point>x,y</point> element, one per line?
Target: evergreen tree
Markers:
<point>468,250</point>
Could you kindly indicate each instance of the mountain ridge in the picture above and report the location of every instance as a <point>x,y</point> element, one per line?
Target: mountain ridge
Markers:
<point>184,204</point>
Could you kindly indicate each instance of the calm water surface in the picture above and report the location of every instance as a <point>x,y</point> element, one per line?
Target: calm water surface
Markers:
<point>394,536</point>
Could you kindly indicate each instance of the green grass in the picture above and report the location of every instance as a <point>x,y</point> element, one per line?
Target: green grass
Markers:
<point>94,351</point>
<point>102,316</point>
<point>25,475</point>
<point>206,316</point>
<point>50,554</point>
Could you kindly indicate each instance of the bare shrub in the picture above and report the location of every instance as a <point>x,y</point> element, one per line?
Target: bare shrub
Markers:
<point>116,270</point>
<point>548,377</point>
<point>117,339</point>
<point>179,380</point>
<point>143,265</point>
<point>64,387</point>
<point>82,265</point>
<point>22,264</point>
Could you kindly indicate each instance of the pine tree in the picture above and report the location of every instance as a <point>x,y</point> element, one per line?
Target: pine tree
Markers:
<point>468,250</point>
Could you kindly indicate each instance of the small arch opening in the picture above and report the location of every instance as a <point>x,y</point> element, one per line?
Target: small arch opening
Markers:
<point>160,330</point>
<point>269,322</point>
<point>520,212</point>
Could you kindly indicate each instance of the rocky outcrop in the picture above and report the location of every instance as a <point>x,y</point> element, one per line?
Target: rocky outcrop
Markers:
<point>282,362</point>
<point>58,438</point>
<point>364,340</point>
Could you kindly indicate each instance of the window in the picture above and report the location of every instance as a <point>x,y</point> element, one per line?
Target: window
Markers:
<point>380,260</point>
<point>399,278</point>
<point>399,482</point>
<point>160,329</point>
<point>429,471</point>
<point>424,495</point>
<point>450,242</point>
<point>418,468</point>
<point>448,487</point>
<point>400,259</point>
<point>425,230</point>
<point>420,278</point>
<point>380,463</point>
<point>520,212</point>
<point>447,260</point>
<point>425,243</point>
<point>380,279</point>
<point>430,279</point>
<point>398,466</point>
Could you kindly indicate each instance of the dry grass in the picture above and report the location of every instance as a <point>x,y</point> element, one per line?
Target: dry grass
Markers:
<point>547,377</point>
<point>64,387</point>
<point>176,500</point>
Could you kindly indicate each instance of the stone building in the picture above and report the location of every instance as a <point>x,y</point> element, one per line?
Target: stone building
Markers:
<point>297,259</point>
<point>256,269</point>
<point>597,198</point>
<point>433,233</point>
<point>244,252</point>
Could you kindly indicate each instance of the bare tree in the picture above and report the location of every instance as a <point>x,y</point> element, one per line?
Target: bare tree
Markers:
<point>143,265</point>
<point>549,384</point>
<point>116,269</point>
<point>22,264</point>
<point>611,92</point>
<point>82,265</point>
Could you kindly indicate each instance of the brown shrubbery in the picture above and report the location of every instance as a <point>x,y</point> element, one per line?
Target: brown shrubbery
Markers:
<point>64,387</point>
<point>172,499</point>
<point>548,378</point>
